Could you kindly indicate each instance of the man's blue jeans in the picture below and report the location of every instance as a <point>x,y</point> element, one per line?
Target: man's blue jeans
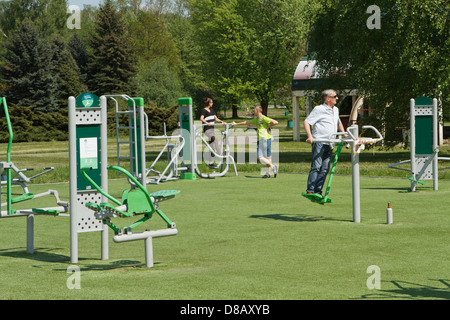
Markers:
<point>320,165</point>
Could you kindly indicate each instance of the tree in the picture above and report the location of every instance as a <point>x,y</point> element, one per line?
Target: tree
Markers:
<point>112,65</point>
<point>151,40</point>
<point>68,73</point>
<point>156,82</point>
<point>225,40</point>
<point>78,50</point>
<point>281,28</point>
<point>29,72</point>
<point>252,46</point>
<point>49,16</point>
<point>193,65</point>
<point>407,57</point>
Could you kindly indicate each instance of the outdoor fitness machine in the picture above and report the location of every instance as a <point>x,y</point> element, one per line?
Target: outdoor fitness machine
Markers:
<point>173,150</point>
<point>180,147</point>
<point>357,144</point>
<point>87,149</point>
<point>135,134</point>
<point>7,168</point>
<point>424,143</point>
<point>190,134</point>
<point>225,152</point>
<point>136,131</point>
<point>90,209</point>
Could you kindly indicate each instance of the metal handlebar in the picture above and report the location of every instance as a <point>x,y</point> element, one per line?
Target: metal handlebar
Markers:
<point>216,124</point>
<point>380,137</point>
<point>332,138</point>
<point>361,141</point>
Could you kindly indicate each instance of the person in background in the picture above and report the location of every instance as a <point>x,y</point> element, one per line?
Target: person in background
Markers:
<point>263,127</point>
<point>208,117</point>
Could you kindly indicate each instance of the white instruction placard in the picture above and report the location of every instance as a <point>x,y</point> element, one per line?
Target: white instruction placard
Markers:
<point>88,153</point>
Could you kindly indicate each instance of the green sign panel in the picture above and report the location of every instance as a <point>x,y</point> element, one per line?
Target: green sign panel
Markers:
<point>424,101</point>
<point>89,155</point>
<point>424,135</point>
<point>424,128</point>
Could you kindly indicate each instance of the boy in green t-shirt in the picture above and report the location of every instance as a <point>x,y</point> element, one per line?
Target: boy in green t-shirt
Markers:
<point>263,125</point>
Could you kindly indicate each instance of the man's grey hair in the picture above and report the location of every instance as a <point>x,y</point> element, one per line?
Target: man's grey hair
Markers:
<point>327,93</point>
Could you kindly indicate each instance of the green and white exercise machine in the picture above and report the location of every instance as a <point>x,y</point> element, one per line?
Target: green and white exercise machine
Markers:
<point>226,157</point>
<point>92,207</point>
<point>192,134</point>
<point>357,144</point>
<point>135,134</point>
<point>181,147</point>
<point>424,147</point>
<point>322,199</point>
<point>8,168</point>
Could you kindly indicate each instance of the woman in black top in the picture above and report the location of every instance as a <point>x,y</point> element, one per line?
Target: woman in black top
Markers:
<point>207,117</point>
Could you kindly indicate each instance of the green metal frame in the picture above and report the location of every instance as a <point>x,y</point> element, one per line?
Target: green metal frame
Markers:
<point>8,159</point>
<point>26,196</point>
<point>137,200</point>
<point>315,197</point>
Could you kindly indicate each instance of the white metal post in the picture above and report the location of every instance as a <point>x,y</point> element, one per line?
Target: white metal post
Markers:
<point>296,118</point>
<point>149,252</point>
<point>104,170</point>
<point>72,178</point>
<point>30,233</point>
<point>412,142</point>
<point>435,145</point>
<point>355,177</point>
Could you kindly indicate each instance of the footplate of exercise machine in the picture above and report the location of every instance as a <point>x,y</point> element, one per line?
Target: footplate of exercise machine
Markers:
<point>315,197</point>
<point>106,210</point>
<point>50,212</point>
<point>164,195</point>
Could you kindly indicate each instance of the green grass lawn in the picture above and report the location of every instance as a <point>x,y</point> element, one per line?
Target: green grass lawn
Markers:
<point>247,238</point>
<point>243,237</point>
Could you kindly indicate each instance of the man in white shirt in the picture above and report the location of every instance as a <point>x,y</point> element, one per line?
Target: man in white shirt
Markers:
<point>324,121</point>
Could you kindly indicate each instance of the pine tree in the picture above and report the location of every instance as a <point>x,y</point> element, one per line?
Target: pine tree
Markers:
<point>29,71</point>
<point>112,65</point>
<point>49,16</point>
<point>78,50</point>
<point>68,72</point>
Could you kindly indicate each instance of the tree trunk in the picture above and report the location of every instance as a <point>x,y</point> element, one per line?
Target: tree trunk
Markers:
<point>264,106</point>
<point>235,111</point>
